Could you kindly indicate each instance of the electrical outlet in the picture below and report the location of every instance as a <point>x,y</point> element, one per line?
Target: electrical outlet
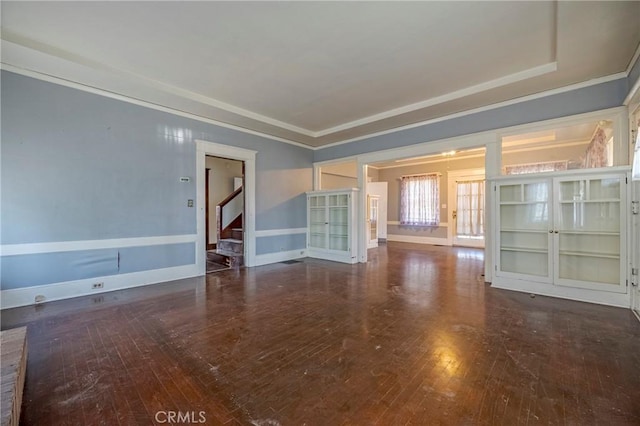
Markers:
<point>189,203</point>
<point>95,286</point>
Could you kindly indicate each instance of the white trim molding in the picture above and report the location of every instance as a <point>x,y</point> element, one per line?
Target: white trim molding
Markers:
<point>248,156</point>
<point>12,298</point>
<point>276,232</point>
<point>510,102</point>
<point>135,101</point>
<point>60,246</point>
<point>418,240</point>
<point>621,300</point>
<point>457,94</point>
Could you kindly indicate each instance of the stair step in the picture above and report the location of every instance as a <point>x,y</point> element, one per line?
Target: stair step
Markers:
<point>228,253</point>
<point>237,229</point>
<point>234,260</point>
<point>230,240</point>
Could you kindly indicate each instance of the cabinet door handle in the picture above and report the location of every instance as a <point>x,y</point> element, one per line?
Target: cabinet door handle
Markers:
<point>556,232</point>
<point>551,231</point>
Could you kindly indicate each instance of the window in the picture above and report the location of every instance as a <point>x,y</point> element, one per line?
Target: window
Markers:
<point>549,166</point>
<point>420,200</point>
<point>583,145</point>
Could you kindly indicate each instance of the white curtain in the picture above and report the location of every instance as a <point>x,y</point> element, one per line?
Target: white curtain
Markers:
<point>470,208</point>
<point>420,200</point>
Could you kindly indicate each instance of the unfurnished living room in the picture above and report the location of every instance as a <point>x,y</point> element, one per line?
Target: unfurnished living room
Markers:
<point>320,213</point>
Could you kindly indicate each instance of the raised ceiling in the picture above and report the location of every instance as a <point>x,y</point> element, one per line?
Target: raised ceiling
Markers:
<point>321,72</point>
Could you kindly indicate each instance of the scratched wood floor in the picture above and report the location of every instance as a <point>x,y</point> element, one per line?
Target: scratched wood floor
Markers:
<point>412,337</point>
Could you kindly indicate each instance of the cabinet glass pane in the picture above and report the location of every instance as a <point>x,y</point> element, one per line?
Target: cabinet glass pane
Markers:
<point>590,217</point>
<point>524,240</point>
<point>317,240</point>
<point>343,200</point>
<point>338,242</point>
<point>338,215</point>
<point>604,189</point>
<point>510,193</point>
<point>573,190</point>
<point>317,201</point>
<point>591,269</point>
<point>338,227</point>
<point>318,215</point>
<point>536,191</point>
<point>605,245</point>
<point>530,263</point>
<point>533,216</point>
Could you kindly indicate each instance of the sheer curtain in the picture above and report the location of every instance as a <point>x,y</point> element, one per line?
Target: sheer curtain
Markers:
<point>420,200</point>
<point>470,208</point>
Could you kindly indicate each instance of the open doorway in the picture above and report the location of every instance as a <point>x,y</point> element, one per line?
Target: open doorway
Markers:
<point>434,199</point>
<point>466,201</point>
<point>344,175</point>
<point>224,213</point>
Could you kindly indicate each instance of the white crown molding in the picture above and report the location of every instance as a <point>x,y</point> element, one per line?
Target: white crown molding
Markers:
<point>26,43</point>
<point>633,60</point>
<point>124,98</point>
<point>138,80</point>
<point>457,94</point>
<point>510,102</point>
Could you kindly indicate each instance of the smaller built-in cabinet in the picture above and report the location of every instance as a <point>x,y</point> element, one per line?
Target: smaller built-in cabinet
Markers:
<point>331,217</point>
<point>568,230</point>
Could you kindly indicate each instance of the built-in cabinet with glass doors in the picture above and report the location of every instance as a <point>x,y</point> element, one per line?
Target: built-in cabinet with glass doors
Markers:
<point>568,230</point>
<point>331,224</point>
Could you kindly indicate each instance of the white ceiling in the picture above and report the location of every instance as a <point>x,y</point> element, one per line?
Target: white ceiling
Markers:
<point>321,72</point>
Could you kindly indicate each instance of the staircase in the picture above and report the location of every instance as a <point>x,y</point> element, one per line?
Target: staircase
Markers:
<point>229,229</point>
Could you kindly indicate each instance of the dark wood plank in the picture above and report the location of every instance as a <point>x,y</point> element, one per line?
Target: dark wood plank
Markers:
<point>413,337</point>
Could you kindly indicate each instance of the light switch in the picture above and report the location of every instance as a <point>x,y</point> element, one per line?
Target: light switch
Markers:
<point>189,203</point>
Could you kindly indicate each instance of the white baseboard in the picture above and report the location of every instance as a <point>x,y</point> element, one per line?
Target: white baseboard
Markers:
<point>280,256</point>
<point>12,298</point>
<point>621,300</point>
<point>418,240</point>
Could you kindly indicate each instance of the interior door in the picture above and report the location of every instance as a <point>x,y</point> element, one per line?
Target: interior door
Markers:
<point>372,220</point>
<point>469,212</point>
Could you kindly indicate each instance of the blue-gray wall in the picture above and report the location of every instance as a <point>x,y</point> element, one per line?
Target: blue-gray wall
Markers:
<point>601,96</point>
<point>78,166</point>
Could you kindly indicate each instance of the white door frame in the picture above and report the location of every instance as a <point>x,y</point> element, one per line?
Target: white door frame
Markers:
<point>452,177</point>
<point>372,243</point>
<point>204,148</point>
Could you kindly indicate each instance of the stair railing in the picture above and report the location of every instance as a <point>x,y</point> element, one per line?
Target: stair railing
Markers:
<point>229,213</point>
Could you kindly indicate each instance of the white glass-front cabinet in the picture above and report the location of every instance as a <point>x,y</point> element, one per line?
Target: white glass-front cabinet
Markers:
<point>331,220</point>
<point>567,231</point>
<point>525,230</point>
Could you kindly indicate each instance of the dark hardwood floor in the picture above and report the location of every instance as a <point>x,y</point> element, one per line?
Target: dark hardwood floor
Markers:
<point>412,337</point>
